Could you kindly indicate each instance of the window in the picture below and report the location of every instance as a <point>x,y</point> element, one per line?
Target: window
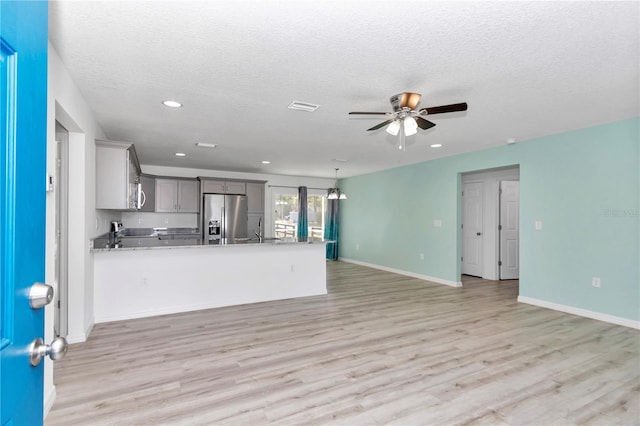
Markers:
<point>286,213</point>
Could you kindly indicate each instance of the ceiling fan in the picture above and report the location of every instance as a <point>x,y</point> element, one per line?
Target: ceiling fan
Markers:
<point>405,119</point>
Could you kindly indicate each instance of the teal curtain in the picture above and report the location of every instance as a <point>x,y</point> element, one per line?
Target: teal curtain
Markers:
<point>331,229</point>
<point>303,221</point>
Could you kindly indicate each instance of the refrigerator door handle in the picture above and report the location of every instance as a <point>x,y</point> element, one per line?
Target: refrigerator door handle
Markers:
<point>223,222</point>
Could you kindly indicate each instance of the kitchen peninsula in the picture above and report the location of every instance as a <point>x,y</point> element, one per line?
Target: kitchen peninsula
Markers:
<point>143,281</point>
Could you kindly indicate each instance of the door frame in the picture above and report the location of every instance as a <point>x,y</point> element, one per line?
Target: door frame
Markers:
<point>491,249</point>
<point>61,190</point>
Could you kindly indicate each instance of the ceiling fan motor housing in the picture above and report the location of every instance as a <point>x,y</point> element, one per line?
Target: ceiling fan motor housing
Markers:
<point>405,100</point>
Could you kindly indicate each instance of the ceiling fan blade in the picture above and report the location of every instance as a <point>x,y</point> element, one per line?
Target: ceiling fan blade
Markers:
<point>424,124</point>
<point>378,126</point>
<point>444,108</point>
<point>369,113</point>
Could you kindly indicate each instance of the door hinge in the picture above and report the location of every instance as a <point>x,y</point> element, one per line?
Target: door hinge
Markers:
<point>462,225</point>
<point>462,259</point>
<point>499,262</point>
<point>463,193</point>
<point>58,304</point>
<point>499,227</point>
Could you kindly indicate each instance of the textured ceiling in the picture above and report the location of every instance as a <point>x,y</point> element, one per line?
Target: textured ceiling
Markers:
<point>526,69</point>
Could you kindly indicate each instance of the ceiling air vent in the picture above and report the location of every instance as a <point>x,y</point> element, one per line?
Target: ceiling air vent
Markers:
<point>303,106</point>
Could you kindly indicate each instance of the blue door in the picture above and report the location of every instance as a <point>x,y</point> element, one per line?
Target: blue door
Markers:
<point>23,119</point>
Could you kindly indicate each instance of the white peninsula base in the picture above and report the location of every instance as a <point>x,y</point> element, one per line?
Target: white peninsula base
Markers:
<point>146,282</point>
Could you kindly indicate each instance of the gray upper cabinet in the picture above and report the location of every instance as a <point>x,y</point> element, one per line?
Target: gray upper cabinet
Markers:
<point>148,202</point>
<point>223,187</point>
<point>255,197</point>
<point>117,172</point>
<point>176,196</point>
<point>188,196</point>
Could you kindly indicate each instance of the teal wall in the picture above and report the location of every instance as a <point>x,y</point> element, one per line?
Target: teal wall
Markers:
<point>583,185</point>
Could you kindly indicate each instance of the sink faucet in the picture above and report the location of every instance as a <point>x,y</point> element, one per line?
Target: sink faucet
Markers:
<point>258,233</point>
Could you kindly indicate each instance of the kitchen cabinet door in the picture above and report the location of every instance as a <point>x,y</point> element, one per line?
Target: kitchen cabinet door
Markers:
<point>223,187</point>
<point>188,196</point>
<point>255,197</point>
<point>235,188</point>
<point>166,195</point>
<point>148,193</point>
<point>213,186</point>
<point>117,171</point>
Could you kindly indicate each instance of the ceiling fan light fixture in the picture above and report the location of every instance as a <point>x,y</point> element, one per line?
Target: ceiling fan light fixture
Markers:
<point>393,128</point>
<point>410,126</point>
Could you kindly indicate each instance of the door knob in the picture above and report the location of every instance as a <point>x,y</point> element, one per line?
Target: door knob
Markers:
<point>55,350</point>
<point>40,294</point>
<point>478,233</point>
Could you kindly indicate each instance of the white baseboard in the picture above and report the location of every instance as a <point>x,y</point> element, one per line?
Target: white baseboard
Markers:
<point>49,399</point>
<point>406,273</point>
<point>76,338</point>
<point>81,338</point>
<point>88,329</point>
<point>580,312</point>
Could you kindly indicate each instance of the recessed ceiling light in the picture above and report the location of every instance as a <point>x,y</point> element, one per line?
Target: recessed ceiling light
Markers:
<point>303,106</point>
<point>180,154</point>
<point>266,162</point>
<point>435,145</point>
<point>172,104</point>
<point>340,160</point>
<point>206,145</point>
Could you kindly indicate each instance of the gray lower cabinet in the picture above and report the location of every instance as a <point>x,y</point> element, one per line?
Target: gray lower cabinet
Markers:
<point>177,196</point>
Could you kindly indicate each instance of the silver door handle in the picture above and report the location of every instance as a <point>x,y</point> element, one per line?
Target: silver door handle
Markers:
<point>40,295</point>
<point>55,350</point>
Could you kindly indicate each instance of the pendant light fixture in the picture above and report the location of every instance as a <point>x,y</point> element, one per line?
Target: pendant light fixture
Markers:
<point>334,193</point>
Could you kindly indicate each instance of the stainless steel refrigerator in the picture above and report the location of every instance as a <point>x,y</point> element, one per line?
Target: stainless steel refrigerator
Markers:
<point>225,217</point>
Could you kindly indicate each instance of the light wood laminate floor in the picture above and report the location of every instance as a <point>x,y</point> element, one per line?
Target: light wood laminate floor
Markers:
<point>380,348</point>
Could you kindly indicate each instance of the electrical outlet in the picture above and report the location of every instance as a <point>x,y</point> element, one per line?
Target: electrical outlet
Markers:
<point>595,281</point>
<point>145,281</point>
<point>421,256</point>
<point>166,220</point>
<point>139,220</point>
<point>538,225</point>
<point>357,246</point>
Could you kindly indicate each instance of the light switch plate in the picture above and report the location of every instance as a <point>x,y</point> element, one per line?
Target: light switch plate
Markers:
<point>538,225</point>
<point>437,223</point>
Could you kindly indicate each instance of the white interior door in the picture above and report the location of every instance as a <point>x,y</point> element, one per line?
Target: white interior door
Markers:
<point>472,210</point>
<point>509,229</point>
